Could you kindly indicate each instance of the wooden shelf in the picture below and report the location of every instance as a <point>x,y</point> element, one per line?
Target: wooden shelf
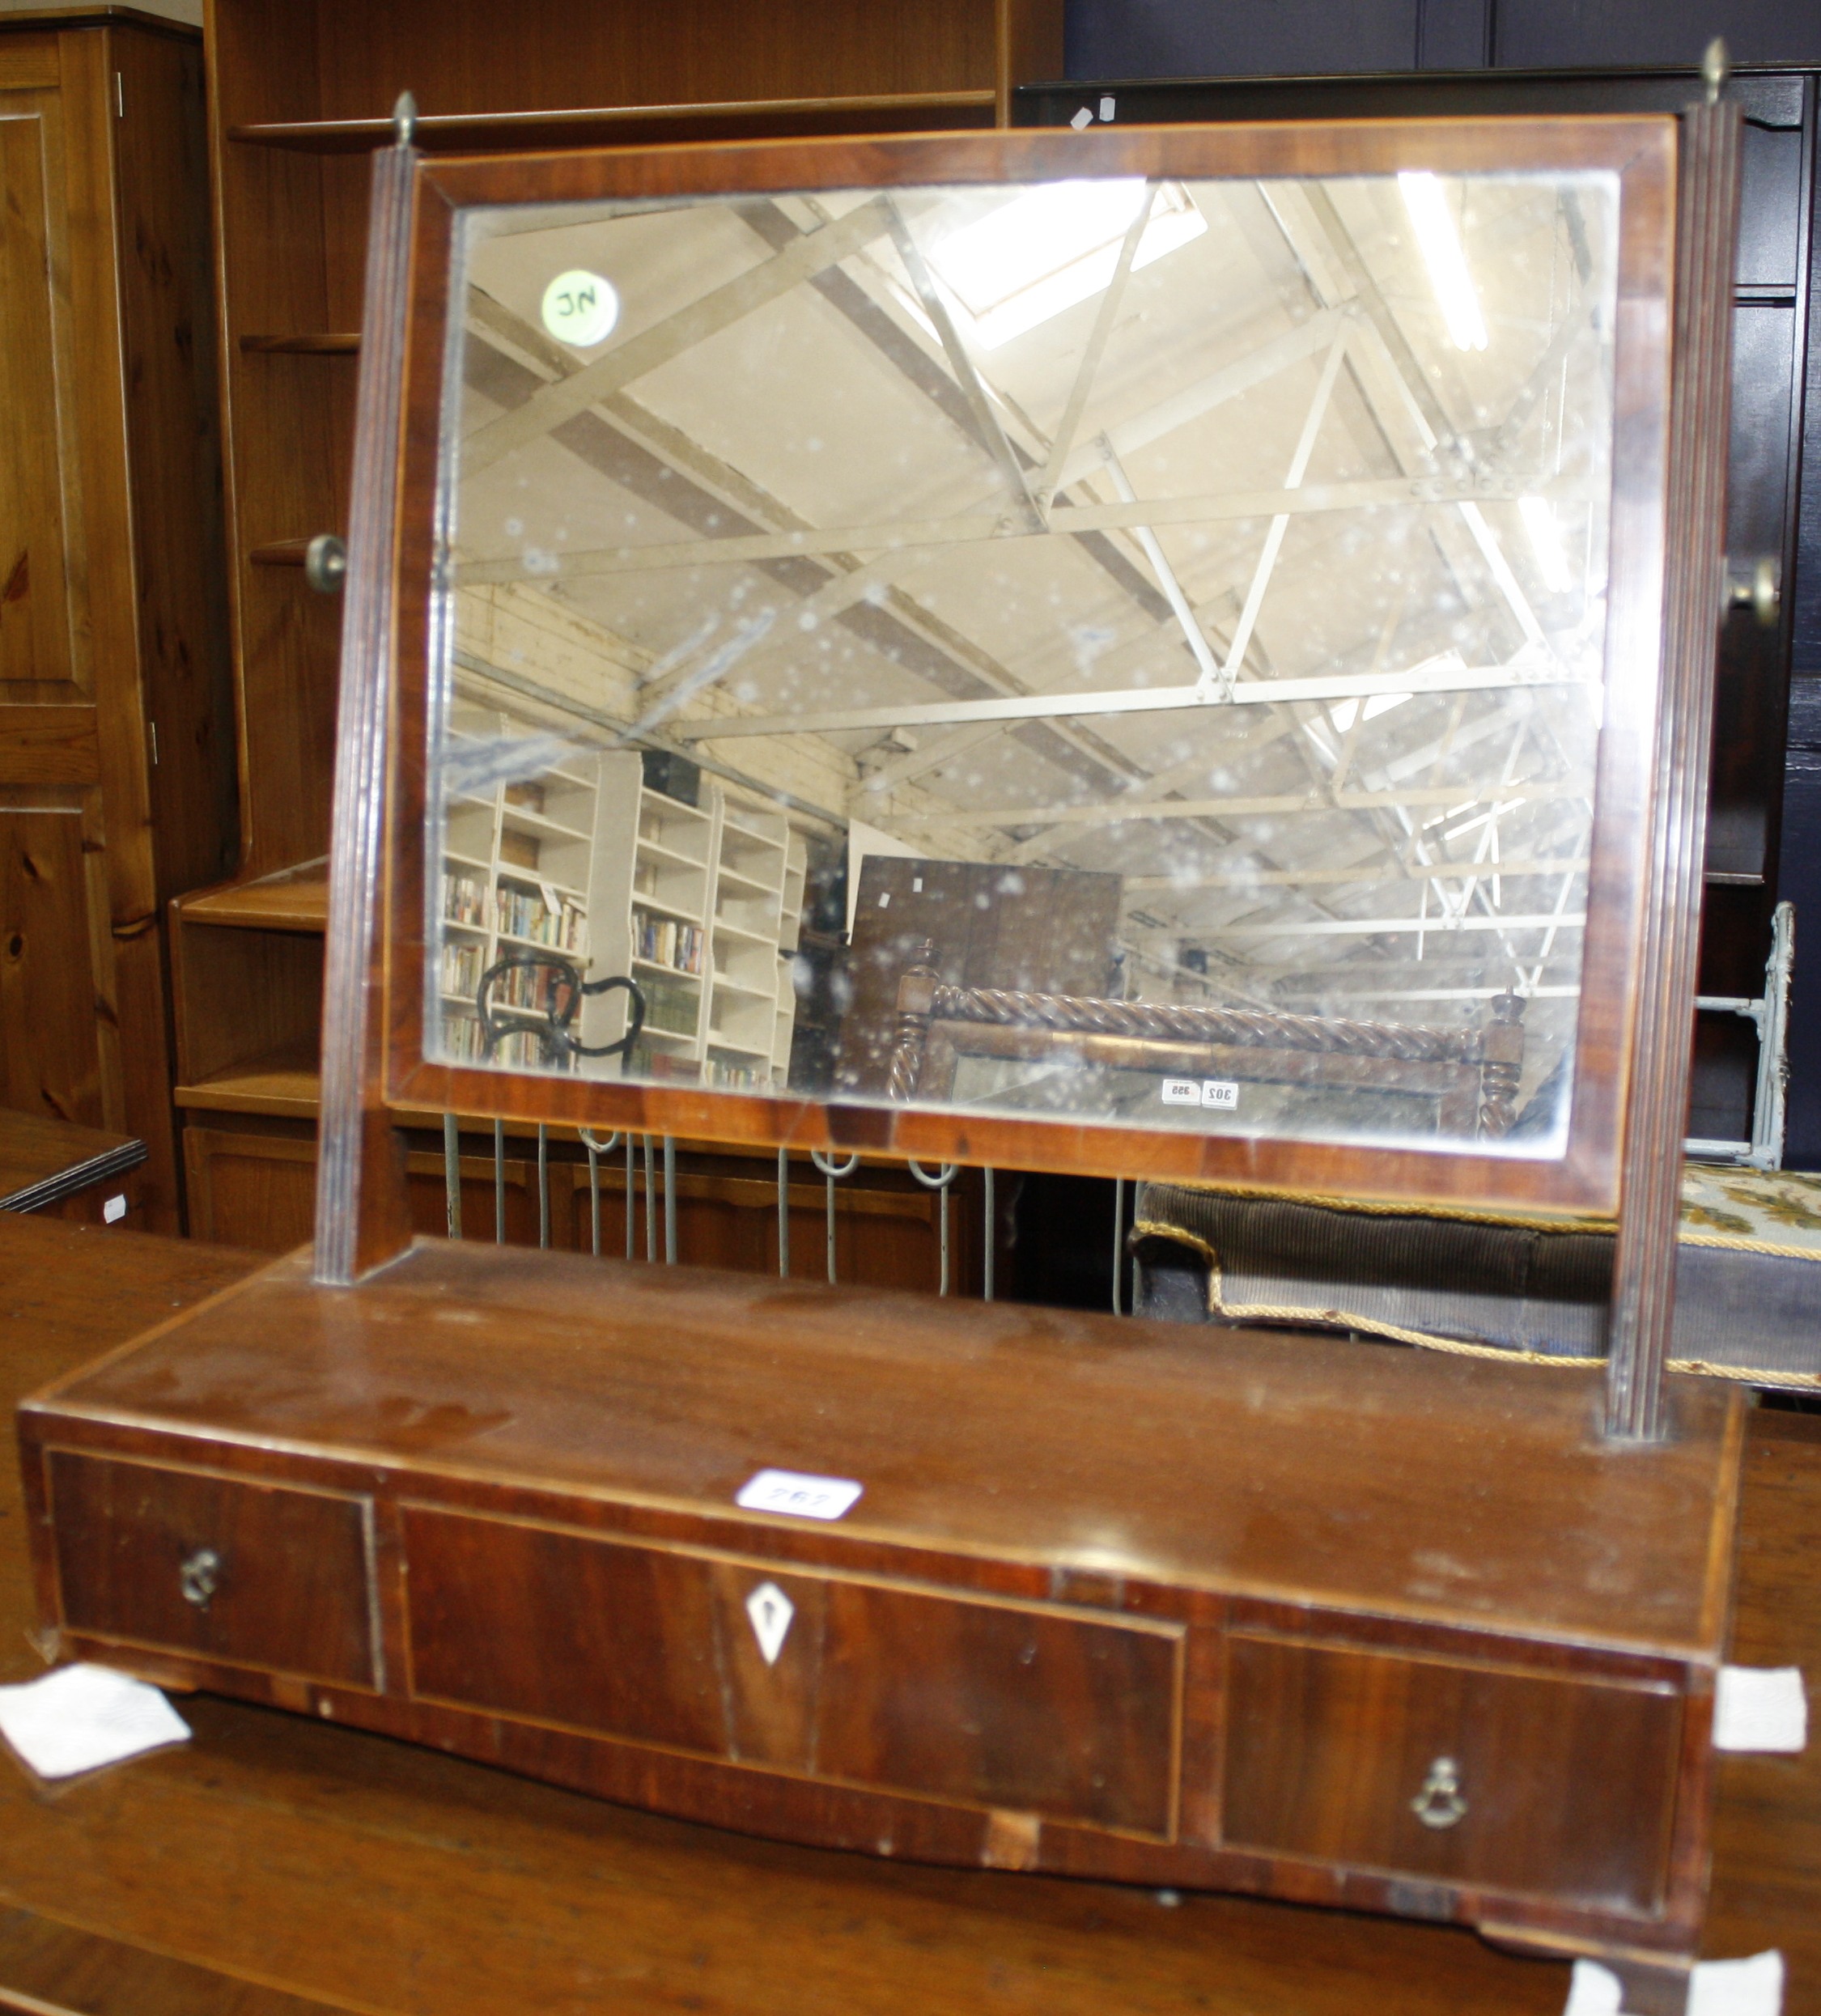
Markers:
<point>595,125</point>
<point>295,899</point>
<point>346,345</point>
<point>284,1083</point>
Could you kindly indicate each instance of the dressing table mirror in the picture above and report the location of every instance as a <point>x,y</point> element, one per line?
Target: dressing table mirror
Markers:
<point>1232,610</point>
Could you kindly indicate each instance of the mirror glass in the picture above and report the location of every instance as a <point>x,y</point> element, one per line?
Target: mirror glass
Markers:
<point>1101,649</point>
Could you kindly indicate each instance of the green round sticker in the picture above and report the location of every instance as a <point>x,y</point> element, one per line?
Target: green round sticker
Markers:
<point>580,308</point>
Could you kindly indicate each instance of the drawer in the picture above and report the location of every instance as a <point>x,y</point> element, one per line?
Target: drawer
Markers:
<point>1029,1706</point>
<point>1478,1775</point>
<point>255,1575</point>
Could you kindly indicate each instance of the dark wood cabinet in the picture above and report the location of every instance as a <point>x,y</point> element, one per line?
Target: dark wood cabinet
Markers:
<point>117,734</point>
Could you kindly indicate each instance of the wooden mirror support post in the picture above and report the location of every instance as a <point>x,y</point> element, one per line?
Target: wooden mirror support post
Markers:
<point>363,1211</point>
<point>978,1583</point>
<point>1643,1267</point>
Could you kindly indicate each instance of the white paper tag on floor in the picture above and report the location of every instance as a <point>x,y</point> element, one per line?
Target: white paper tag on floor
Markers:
<point>1737,1988</point>
<point>1760,1707</point>
<point>1716,1987</point>
<point>1593,1990</point>
<point>80,1717</point>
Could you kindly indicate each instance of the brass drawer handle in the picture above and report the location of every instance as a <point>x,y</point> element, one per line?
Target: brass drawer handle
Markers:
<point>1440,1804</point>
<point>198,1577</point>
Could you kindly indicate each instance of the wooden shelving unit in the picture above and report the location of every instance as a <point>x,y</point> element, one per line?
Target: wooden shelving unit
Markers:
<point>247,970</point>
<point>622,126</point>
<point>300,93</point>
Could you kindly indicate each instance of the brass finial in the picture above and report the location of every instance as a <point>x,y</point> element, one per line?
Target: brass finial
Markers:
<point>405,118</point>
<point>1715,66</point>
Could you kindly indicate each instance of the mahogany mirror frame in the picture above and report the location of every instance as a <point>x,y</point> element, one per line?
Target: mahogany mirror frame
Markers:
<point>1641,151</point>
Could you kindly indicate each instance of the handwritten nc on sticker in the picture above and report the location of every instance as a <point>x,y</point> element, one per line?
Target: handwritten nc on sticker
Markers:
<point>789,1491</point>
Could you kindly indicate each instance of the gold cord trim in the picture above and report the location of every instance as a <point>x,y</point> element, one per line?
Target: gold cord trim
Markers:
<point>1426,1340</point>
<point>1371,1207</point>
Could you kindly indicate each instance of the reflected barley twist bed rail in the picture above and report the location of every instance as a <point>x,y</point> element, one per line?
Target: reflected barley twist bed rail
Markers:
<point>1473,1073</point>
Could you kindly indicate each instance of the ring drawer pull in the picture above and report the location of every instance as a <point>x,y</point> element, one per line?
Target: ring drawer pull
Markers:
<point>198,1577</point>
<point>1440,1804</point>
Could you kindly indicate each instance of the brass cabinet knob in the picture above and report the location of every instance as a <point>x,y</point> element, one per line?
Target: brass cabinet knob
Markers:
<point>325,563</point>
<point>1753,585</point>
<point>1440,1804</point>
<point>198,1577</point>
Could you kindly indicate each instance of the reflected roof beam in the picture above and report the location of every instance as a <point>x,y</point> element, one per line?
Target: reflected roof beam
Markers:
<point>1215,390</point>
<point>1398,926</point>
<point>986,421</point>
<point>1422,395</point>
<point>914,763</point>
<point>1240,880</point>
<point>718,309</point>
<point>1279,523</point>
<point>905,354</point>
<point>1121,812</point>
<point>1050,481</point>
<point>1165,574</point>
<point>619,731</point>
<point>1065,521</point>
<point>663,466</point>
<point>1124,700</point>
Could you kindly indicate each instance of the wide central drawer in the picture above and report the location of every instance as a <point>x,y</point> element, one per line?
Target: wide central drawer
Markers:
<point>1039,1708</point>
<point>1460,1772</point>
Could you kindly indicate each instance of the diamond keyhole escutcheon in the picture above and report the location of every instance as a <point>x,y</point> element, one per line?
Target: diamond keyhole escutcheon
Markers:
<point>771,1611</point>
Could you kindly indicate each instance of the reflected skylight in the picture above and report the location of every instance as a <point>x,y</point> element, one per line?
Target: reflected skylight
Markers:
<point>1051,247</point>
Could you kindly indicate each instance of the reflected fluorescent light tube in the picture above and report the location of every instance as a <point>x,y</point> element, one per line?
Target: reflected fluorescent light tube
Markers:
<point>1427,206</point>
<point>1546,543</point>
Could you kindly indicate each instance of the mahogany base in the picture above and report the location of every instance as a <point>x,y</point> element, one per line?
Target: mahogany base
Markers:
<point>1255,1612</point>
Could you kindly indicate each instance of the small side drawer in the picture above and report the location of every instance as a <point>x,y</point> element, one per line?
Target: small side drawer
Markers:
<point>1479,1775</point>
<point>255,1575</point>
